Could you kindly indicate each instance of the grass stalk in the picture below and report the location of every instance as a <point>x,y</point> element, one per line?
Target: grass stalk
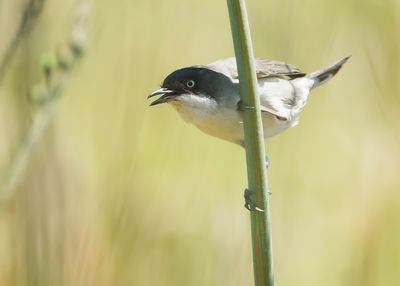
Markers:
<point>56,70</point>
<point>254,143</point>
<point>30,14</point>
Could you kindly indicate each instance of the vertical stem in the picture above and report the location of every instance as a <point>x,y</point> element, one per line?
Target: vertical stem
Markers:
<point>254,143</point>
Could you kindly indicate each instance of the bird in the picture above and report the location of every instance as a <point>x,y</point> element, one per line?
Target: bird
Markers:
<point>208,97</point>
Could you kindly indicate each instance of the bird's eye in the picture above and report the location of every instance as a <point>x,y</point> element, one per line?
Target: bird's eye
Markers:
<point>190,83</point>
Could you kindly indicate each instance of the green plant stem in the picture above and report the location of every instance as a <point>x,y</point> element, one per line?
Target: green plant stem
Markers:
<point>56,76</point>
<point>40,123</point>
<point>29,16</point>
<point>254,143</point>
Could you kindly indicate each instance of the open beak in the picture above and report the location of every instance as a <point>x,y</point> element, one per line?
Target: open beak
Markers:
<point>167,95</point>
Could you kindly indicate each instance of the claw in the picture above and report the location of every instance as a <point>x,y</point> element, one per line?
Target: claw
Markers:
<point>241,106</point>
<point>248,202</point>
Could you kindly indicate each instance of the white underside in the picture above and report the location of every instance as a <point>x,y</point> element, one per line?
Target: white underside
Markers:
<point>224,121</point>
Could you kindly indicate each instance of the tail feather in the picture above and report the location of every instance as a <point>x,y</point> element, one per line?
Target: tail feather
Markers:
<point>323,75</point>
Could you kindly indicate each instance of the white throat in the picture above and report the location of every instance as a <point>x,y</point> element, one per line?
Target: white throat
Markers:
<point>211,118</point>
<point>195,108</point>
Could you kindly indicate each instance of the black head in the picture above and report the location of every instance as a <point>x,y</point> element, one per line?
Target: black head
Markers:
<point>198,80</point>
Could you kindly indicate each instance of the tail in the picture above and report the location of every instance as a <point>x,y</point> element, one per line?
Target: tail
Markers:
<point>325,74</point>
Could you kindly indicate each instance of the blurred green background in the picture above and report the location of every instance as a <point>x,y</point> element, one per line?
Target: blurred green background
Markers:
<point>118,193</point>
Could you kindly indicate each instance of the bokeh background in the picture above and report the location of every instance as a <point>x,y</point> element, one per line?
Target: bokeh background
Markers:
<point>118,193</point>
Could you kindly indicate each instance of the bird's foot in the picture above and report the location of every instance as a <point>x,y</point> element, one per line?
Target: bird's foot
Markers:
<point>249,203</point>
<point>241,106</point>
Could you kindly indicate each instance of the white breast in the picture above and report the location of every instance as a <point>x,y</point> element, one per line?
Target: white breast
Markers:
<point>225,123</point>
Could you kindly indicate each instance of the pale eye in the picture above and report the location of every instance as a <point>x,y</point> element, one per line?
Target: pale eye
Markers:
<point>190,83</point>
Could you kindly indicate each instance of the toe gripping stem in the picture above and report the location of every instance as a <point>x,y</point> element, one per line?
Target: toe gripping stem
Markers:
<point>241,106</point>
<point>249,203</point>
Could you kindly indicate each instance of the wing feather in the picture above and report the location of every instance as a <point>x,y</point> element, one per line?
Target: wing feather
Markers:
<point>264,68</point>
